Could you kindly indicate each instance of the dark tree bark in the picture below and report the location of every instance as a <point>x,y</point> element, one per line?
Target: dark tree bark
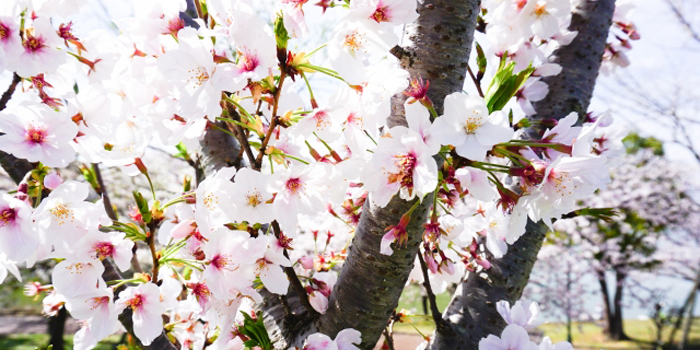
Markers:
<point>370,284</point>
<point>607,311</point>
<point>686,306</point>
<point>472,310</point>
<point>617,326</point>
<point>217,150</point>
<point>57,326</point>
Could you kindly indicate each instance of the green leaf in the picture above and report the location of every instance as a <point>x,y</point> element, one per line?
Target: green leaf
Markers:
<point>255,330</point>
<point>505,85</point>
<point>250,344</point>
<point>281,35</point>
<point>142,205</point>
<point>481,59</point>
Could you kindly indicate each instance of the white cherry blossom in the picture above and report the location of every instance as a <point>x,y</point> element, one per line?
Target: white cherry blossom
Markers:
<point>467,125</point>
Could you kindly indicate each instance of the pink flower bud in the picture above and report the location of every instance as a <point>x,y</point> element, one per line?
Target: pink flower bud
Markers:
<point>53,180</point>
<point>307,262</point>
<point>448,267</point>
<point>484,263</point>
<point>319,302</point>
<point>432,264</point>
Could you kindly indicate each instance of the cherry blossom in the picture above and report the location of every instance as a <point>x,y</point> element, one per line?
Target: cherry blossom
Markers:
<point>345,340</point>
<point>74,277</point>
<point>199,81</point>
<point>145,304</point>
<point>469,127</point>
<point>38,134</point>
<point>402,163</point>
<point>41,53</point>
<point>17,238</point>
<point>98,309</point>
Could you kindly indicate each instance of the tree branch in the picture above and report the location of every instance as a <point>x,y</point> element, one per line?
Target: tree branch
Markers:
<point>102,191</point>
<point>437,316</point>
<point>292,275</point>
<point>5,98</point>
<point>683,20</point>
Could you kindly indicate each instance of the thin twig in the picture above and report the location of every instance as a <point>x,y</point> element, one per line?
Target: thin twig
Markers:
<point>273,122</point>
<point>292,275</point>
<point>102,191</point>
<point>240,134</point>
<point>437,316</point>
<point>200,13</point>
<point>151,241</point>
<point>389,338</point>
<point>684,20</point>
<point>285,306</point>
<point>476,81</point>
<point>10,90</point>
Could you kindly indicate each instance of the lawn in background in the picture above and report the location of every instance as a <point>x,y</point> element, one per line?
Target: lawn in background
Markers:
<point>39,341</point>
<point>586,335</point>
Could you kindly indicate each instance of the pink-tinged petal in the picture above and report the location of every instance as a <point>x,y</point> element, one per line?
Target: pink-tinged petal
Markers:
<point>347,338</point>
<point>472,149</point>
<point>491,134</point>
<point>319,302</point>
<point>319,341</point>
<point>145,303</point>
<point>503,308</point>
<point>492,342</point>
<point>448,134</point>
<point>72,278</point>
<point>385,247</point>
<point>496,245</point>
<point>147,326</point>
<point>53,180</point>
<point>516,337</point>
<point>425,176</point>
<point>274,279</point>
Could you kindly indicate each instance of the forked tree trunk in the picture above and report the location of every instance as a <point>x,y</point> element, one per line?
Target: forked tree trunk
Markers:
<point>617,325</point>
<point>688,321</point>
<point>686,306</point>
<point>472,310</point>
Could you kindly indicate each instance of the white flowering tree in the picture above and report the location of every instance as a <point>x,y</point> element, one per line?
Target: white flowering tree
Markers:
<point>656,213</point>
<point>306,217</point>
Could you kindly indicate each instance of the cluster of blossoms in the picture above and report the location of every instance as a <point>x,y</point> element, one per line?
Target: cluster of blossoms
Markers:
<point>657,203</point>
<point>520,318</point>
<point>104,98</point>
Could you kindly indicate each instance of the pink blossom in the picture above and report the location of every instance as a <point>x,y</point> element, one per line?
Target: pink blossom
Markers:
<point>38,134</point>
<point>147,311</point>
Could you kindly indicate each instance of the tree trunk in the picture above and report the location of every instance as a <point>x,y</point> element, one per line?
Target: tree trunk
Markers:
<point>57,326</point>
<point>617,327</point>
<point>688,301</point>
<point>569,336</point>
<point>472,310</point>
<point>607,311</point>
<point>687,323</point>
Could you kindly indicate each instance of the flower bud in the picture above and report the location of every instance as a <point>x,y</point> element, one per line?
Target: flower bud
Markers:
<point>53,180</point>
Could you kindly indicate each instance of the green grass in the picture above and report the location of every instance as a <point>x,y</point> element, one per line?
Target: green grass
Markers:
<point>39,341</point>
<point>585,335</point>
<point>643,333</point>
<point>411,301</point>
